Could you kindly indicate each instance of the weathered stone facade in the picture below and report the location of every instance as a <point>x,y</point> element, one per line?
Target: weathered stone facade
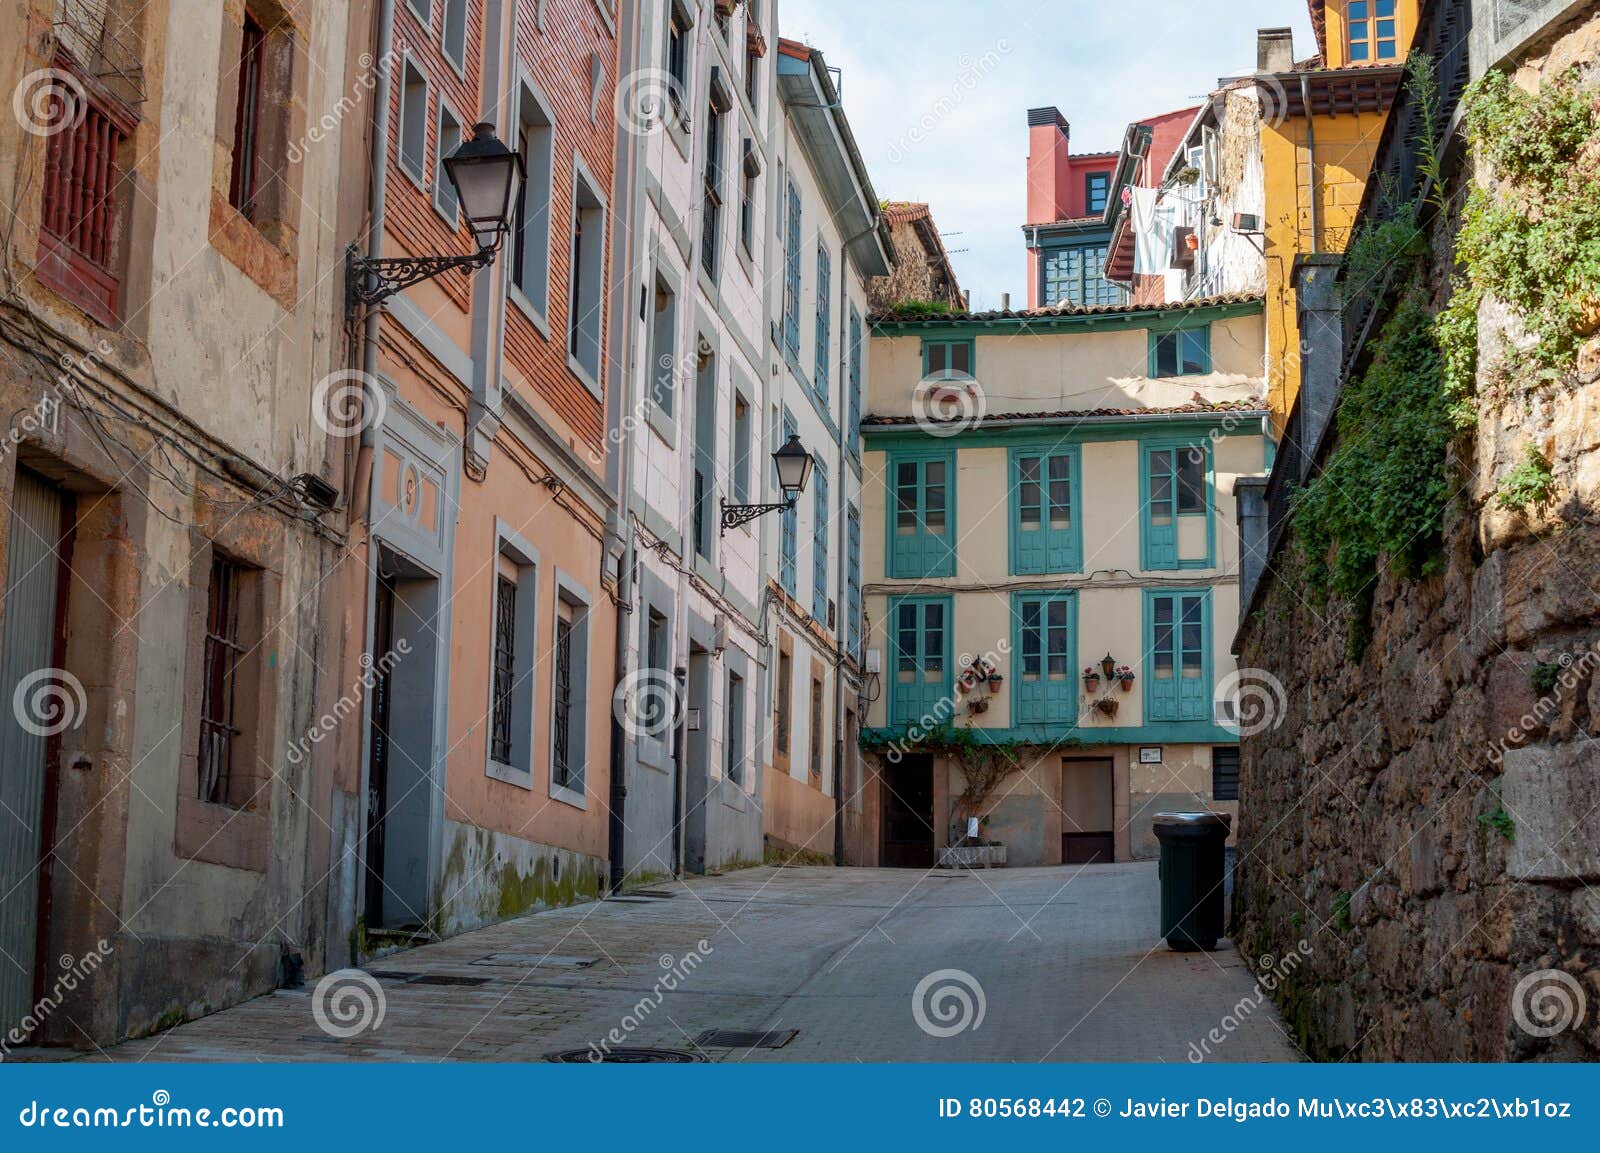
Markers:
<point>1428,818</point>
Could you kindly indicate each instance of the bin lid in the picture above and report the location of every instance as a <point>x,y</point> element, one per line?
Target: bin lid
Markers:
<point>1193,820</point>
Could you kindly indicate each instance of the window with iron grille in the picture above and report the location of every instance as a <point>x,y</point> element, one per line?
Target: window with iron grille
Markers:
<point>79,204</point>
<point>223,653</point>
<point>505,662</point>
<point>247,118</point>
<point>816,729</point>
<point>561,764</point>
<point>1225,774</point>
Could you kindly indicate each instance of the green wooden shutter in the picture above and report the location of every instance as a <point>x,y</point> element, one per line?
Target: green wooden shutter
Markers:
<point>1161,663</point>
<point>1044,683</point>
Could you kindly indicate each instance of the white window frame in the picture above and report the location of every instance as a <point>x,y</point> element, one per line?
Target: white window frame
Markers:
<point>593,280</point>
<point>531,108</point>
<point>418,177</point>
<point>441,179</point>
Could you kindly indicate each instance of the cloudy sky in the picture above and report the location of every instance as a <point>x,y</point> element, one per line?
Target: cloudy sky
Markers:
<point>985,63</point>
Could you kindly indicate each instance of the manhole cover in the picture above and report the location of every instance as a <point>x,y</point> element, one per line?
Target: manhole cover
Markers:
<point>626,1057</point>
<point>746,1039</point>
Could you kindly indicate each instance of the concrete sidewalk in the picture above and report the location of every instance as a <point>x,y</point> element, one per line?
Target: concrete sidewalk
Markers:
<point>1064,964</point>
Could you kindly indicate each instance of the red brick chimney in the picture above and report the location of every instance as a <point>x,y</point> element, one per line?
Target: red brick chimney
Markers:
<point>1048,136</point>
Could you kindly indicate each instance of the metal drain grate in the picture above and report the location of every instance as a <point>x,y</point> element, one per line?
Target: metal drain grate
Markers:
<point>447,979</point>
<point>392,975</point>
<point>746,1039</point>
<point>625,1057</point>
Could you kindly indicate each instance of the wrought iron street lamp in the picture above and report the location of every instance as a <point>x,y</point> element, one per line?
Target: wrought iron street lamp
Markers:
<point>794,470</point>
<point>487,178</point>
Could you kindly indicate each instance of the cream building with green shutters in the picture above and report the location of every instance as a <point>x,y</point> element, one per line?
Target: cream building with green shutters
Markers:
<point>1045,490</point>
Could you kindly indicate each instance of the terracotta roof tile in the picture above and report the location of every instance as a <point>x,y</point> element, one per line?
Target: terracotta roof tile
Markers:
<point>1319,25</point>
<point>1195,408</point>
<point>1077,310</point>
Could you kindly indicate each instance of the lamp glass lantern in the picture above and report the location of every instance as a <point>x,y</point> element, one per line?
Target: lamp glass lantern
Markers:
<point>1109,666</point>
<point>488,179</point>
<point>794,468</point>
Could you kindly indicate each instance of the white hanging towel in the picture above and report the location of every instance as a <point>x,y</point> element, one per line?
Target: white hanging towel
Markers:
<point>1147,249</point>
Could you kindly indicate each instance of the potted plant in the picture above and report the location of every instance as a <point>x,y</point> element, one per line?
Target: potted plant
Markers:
<point>1091,679</point>
<point>1125,675</point>
<point>995,680</point>
<point>1108,706</point>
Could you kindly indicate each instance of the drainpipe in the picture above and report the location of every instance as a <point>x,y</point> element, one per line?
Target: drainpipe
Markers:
<point>375,225</point>
<point>1311,156</point>
<point>623,402</point>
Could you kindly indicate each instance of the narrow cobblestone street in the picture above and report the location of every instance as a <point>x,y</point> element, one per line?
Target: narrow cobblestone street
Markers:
<point>1067,960</point>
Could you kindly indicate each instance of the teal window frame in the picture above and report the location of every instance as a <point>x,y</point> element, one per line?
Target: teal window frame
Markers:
<point>821,371</point>
<point>1041,695</point>
<point>920,701</point>
<point>819,543</point>
<point>1199,333</point>
<point>789,531</point>
<point>853,430</point>
<point>1046,549</point>
<point>1187,698</point>
<point>948,346</point>
<point>1158,544</point>
<point>921,553</point>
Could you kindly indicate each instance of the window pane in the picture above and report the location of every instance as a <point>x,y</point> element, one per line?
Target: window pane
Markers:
<point>1358,50</point>
<point>961,358</point>
<point>938,358</point>
<point>1031,641</point>
<point>1385,7</point>
<point>1161,487</point>
<point>1358,9</point>
<point>1358,30</point>
<point>1028,493</point>
<point>905,519</point>
<point>1386,50</point>
<point>1166,355</point>
<point>1194,352</point>
<point>1192,480</point>
<point>1193,641</point>
<point>1060,492</point>
<point>1162,643</point>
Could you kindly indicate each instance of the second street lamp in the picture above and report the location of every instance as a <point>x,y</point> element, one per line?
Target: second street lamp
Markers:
<point>794,466</point>
<point>487,178</point>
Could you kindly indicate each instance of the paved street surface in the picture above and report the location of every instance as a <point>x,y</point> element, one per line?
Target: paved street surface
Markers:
<point>1067,959</point>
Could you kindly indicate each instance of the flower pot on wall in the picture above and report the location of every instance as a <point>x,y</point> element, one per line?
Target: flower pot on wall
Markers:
<point>1107,707</point>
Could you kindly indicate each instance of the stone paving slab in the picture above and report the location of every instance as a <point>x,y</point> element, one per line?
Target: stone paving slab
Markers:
<point>1064,962</point>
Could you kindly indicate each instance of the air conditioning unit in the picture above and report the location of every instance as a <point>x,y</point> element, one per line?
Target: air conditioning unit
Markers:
<point>1246,222</point>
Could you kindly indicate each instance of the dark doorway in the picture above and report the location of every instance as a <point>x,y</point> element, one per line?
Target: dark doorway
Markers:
<point>1088,812</point>
<point>41,701</point>
<point>403,766</point>
<point>378,743</point>
<point>697,778</point>
<point>908,813</point>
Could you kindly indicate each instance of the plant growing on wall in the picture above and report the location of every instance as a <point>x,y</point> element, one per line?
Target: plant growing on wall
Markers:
<point>1529,484</point>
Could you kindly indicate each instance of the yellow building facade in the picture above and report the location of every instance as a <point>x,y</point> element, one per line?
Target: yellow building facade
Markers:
<point>1051,489</point>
